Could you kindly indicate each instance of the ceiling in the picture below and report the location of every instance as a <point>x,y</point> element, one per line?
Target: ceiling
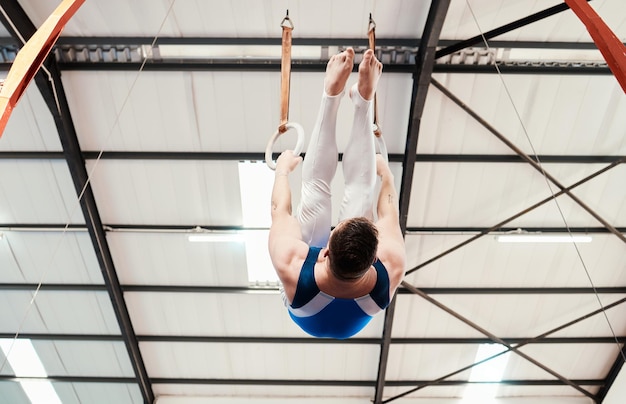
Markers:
<point>132,139</point>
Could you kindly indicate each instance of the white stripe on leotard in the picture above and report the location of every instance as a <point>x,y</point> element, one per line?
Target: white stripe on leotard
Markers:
<point>314,306</point>
<point>368,305</point>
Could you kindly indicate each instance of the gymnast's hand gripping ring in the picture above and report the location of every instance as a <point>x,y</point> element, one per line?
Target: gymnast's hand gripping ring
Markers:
<point>382,147</point>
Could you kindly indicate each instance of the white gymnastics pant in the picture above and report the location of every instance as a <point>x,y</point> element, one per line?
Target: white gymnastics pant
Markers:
<point>320,164</point>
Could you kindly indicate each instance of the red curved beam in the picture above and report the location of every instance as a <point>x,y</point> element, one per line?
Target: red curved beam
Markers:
<point>30,58</point>
<point>610,46</point>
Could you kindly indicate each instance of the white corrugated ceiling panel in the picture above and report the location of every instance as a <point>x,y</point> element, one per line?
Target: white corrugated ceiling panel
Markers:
<point>258,361</point>
<point>57,312</point>
<point>31,257</point>
<point>98,393</point>
<point>488,263</point>
<point>458,194</point>
<point>504,395</point>
<point>236,394</point>
<point>213,111</point>
<point>525,316</point>
<point>30,126</point>
<point>573,361</point>
<point>170,259</point>
<point>564,26</point>
<point>37,192</point>
<point>568,115</point>
<point>417,318</point>
<point>86,358</point>
<point>183,192</point>
<point>515,316</point>
<point>241,18</point>
<point>440,360</point>
<point>237,112</point>
<point>177,192</point>
<point>212,314</point>
<point>13,393</point>
<point>598,325</point>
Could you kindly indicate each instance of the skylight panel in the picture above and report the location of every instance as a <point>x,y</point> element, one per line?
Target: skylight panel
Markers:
<point>485,377</point>
<point>256,182</point>
<point>26,364</point>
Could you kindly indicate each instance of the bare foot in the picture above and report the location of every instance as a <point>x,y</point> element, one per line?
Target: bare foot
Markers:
<point>370,70</point>
<point>337,71</point>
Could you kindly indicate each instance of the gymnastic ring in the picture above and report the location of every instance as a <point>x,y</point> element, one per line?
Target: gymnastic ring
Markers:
<point>382,147</point>
<point>296,150</point>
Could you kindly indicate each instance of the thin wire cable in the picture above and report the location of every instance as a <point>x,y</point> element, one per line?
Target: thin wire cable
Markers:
<point>90,173</point>
<point>545,177</point>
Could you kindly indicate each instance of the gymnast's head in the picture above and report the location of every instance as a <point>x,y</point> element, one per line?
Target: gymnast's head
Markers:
<point>352,248</point>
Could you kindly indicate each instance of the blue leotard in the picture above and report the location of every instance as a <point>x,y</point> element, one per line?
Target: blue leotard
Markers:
<point>322,315</point>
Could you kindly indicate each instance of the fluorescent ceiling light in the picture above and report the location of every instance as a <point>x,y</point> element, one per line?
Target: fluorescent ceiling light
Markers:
<point>543,238</point>
<point>211,237</point>
<point>233,52</point>
<point>25,362</point>
<point>555,55</point>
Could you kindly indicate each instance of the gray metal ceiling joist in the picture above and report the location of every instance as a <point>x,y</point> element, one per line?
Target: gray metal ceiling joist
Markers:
<point>479,39</point>
<point>97,230</point>
<point>54,96</point>
<point>494,339</point>
<point>143,288</point>
<point>292,382</point>
<point>160,228</point>
<point>500,224</point>
<point>314,341</point>
<point>536,165</point>
<point>319,67</point>
<point>424,63</point>
<point>260,156</point>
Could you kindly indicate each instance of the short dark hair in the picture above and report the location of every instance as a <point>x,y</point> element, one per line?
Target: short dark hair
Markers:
<point>352,248</point>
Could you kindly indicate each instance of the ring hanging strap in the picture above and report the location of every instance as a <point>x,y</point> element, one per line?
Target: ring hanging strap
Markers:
<point>371,33</point>
<point>285,70</point>
<point>382,147</point>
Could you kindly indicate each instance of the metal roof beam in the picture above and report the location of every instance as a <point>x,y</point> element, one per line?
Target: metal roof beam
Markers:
<point>18,24</point>
<point>424,63</point>
<point>75,287</point>
<point>291,382</point>
<point>515,216</point>
<point>537,339</point>
<point>522,22</point>
<point>320,66</point>
<point>307,340</point>
<point>260,156</point>
<point>178,228</point>
<point>534,164</point>
<point>496,339</point>
<point>612,375</point>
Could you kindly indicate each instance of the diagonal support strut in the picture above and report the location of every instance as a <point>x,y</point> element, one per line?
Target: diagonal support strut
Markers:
<point>526,158</point>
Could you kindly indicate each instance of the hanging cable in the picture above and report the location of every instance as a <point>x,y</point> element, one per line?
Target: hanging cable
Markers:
<point>545,176</point>
<point>90,174</point>
<point>31,57</point>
